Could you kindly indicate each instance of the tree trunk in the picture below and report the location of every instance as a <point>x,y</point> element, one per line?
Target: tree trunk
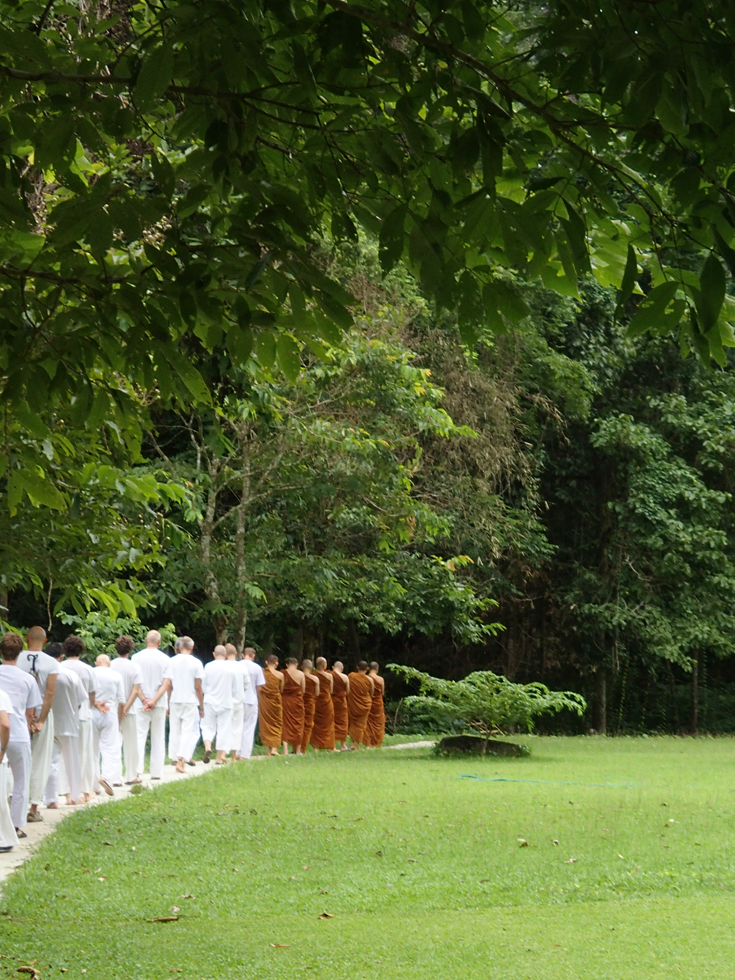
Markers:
<point>211,586</point>
<point>241,614</point>
<point>694,717</point>
<point>601,703</point>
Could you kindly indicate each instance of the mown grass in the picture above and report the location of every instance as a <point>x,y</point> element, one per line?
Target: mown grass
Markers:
<point>628,870</point>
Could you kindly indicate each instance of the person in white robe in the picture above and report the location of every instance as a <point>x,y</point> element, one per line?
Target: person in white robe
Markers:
<point>44,670</point>
<point>152,664</point>
<point>25,699</point>
<point>106,717</point>
<point>220,691</point>
<point>68,699</point>
<point>256,679</point>
<point>237,706</point>
<point>73,650</point>
<point>8,836</point>
<point>131,681</point>
<point>185,674</point>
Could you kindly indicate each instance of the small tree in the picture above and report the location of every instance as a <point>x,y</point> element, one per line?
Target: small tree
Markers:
<point>485,701</point>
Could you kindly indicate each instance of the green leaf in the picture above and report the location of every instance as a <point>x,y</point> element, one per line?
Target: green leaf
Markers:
<point>392,237</point>
<point>154,78</point>
<point>711,292</point>
<point>289,360</point>
<point>653,308</point>
<point>629,280</point>
<point>265,350</point>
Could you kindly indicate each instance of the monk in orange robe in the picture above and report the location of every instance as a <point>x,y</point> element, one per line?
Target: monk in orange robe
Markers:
<point>293,706</point>
<point>270,711</point>
<point>340,691</point>
<point>359,703</point>
<point>322,734</point>
<point>375,731</point>
<point>311,693</point>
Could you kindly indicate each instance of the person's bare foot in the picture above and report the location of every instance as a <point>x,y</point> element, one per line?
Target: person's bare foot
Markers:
<point>52,806</point>
<point>180,767</point>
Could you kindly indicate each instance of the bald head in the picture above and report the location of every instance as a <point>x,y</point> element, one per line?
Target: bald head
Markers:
<point>338,666</point>
<point>231,651</point>
<point>321,663</point>
<point>271,658</point>
<point>102,660</point>
<point>306,665</point>
<point>219,652</point>
<point>153,639</point>
<point>35,638</point>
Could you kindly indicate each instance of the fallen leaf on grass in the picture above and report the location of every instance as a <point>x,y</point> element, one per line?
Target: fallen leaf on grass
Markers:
<point>522,842</point>
<point>102,879</point>
<point>174,908</point>
<point>28,969</point>
<point>555,843</point>
<point>165,918</point>
<point>621,857</point>
<point>281,945</point>
<point>325,915</point>
<point>188,895</point>
<point>571,861</point>
<point>306,867</point>
<point>378,854</point>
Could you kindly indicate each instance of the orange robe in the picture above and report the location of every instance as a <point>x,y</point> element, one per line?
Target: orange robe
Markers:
<point>339,703</point>
<point>309,706</point>
<point>293,710</point>
<point>375,730</point>
<point>270,712</point>
<point>359,703</point>
<point>322,734</point>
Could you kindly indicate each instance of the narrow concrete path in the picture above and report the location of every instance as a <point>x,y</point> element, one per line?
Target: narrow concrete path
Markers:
<point>51,818</point>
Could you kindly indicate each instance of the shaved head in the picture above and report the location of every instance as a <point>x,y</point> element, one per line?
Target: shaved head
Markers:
<point>153,638</point>
<point>219,652</point>
<point>272,659</point>
<point>231,651</point>
<point>36,637</point>
<point>102,661</point>
<point>321,663</point>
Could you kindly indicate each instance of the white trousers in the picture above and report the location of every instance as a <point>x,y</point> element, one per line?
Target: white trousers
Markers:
<point>86,755</point>
<point>249,721</point>
<point>155,719</point>
<point>219,721</point>
<point>129,737</point>
<point>66,747</point>
<point>105,745</point>
<point>19,760</point>
<point>236,734</point>
<point>42,747</point>
<point>8,836</point>
<point>183,733</point>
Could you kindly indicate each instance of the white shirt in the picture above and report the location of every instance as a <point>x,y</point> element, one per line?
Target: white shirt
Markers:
<point>68,699</point>
<point>108,687</point>
<point>183,670</point>
<point>220,684</point>
<point>152,664</point>
<point>23,692</point>
<point>241,680</point>
<point>39,665</point>
<point>85,673</point>
<point>254,673</point>
<point>130,674</point>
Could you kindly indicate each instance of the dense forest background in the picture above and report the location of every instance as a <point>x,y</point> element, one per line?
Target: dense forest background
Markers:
<point>553,503</point>
<point>399,331</point>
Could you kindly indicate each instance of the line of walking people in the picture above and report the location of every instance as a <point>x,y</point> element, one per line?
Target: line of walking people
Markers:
<point>72,730</point>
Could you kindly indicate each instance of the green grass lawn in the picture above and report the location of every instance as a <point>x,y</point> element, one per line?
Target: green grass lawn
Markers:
<point>628,872</point>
